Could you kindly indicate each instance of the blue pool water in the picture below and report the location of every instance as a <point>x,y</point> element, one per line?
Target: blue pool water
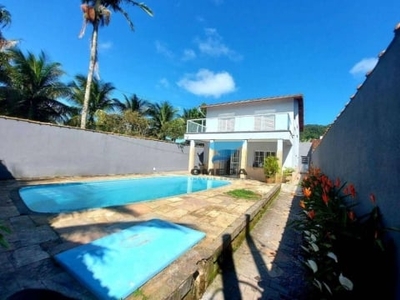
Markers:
<point>116,265</point>
<point>66,197</point>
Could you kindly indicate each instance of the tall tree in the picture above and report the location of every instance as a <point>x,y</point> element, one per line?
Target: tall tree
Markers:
<point>100,98</point>
<point>33,88</point>
<point>160,115</point>
<point>134,104</point>
<point>312,132</point>
<point>192,113</point>
<point>98,13</point>
<point>5,20</point>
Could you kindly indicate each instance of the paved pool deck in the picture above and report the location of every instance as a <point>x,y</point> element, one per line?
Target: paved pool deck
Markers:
<point>36,238</point>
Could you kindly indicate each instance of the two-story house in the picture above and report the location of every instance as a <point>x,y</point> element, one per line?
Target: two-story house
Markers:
<point>237,136</point>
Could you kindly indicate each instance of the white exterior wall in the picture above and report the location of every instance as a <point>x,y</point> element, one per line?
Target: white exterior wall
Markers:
<point>295,150</point>
<point>283,110</point>
<point>245,109</point>
<point>284,131</point>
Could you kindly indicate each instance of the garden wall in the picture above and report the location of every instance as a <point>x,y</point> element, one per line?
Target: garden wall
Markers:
<point>363,144</point>
<point>38,150</point>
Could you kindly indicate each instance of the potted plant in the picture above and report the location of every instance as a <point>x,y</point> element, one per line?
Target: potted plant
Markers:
<point>271,168</point>
<point>287,174</point>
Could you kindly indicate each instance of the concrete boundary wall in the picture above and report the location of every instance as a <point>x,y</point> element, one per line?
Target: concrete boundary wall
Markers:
<point>38,150</point>
<point>363,144</point>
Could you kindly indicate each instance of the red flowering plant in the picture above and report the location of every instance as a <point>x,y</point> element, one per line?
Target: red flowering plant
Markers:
<point>333,235</point>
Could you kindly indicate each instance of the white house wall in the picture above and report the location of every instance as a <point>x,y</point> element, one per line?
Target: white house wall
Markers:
<point>271,147</point>
<point>264,107</point>
<point>247,111</point>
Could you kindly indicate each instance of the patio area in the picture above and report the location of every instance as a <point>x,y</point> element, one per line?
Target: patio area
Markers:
<point>36,238</point>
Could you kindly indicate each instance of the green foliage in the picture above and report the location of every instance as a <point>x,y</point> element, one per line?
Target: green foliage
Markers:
<point>343,252</point>
<point>312,131</point>
<point>271,166</point>
<point>192,113</point>
<point>134,104</point>
<point>5,17</point>
<point>139,295</point>
<point>244,194</point>
<point>4,230</point>
<point>160,115</point>
<point>32,87</point>
<point>288,171</point>
<point>100,98</point>
<point>174,129</point>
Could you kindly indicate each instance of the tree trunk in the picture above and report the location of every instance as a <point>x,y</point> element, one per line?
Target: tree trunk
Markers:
<point>92,66</point>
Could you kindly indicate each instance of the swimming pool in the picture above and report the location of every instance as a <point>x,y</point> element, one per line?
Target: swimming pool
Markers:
<point>67,197</point>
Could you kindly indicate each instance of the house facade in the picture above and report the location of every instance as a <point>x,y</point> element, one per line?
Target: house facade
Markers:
<point>237,136</point>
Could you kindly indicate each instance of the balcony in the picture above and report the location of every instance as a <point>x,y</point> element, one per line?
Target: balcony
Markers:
<point>249,123</point>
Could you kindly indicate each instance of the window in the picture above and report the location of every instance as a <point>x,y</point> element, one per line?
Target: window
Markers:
<point>234,165</point>
<point>259,157</point>
<point>304,160</point>
<point>264,122</point>
<point>226,124</point>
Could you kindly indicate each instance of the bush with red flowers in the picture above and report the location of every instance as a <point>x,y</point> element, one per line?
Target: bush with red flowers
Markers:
<point>341,250</point>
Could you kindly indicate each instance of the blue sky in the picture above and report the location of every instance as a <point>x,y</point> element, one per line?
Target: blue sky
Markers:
<point>212,51</point>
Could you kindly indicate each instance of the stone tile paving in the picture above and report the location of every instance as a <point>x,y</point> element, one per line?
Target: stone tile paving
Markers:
<point>36,238</point>
<point>266,266</point>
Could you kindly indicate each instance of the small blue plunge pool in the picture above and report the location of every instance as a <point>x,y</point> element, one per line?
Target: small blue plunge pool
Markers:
<point>67,197</point>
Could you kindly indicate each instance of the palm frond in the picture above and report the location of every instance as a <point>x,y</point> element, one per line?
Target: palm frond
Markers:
<point>5,17</point>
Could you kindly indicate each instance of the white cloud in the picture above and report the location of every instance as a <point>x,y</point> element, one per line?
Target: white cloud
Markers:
<point>364,66</point>
<point>163,49</point>
<point>207,83</point>
<point>164,83</point>
<point>105,45</point>
<point>188,54</point>
<point>213,45</point>
<point>200,19</point>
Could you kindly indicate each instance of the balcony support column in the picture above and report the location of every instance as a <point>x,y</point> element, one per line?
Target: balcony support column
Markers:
<point>211,154</point>
<point>192,152</point>
<point>279,153</point>
<point>243,159</point>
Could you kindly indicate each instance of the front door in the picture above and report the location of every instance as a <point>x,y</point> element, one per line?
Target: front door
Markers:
<point>234,163</point>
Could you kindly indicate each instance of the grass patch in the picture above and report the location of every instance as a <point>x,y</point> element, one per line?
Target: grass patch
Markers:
<point>138,294</point>
<point>244,194</point>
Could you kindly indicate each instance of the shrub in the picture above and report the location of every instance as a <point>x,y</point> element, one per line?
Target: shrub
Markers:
<point>271,166</point>
<point>342,252</point>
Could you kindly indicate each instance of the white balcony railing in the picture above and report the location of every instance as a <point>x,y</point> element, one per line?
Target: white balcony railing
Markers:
<point>265,122</point>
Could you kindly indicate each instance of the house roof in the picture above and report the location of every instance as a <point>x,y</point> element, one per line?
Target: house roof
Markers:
<point>298,97</point>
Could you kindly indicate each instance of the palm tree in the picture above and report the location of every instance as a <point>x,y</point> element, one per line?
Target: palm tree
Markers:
<point>160,115</point>
<point>192,113</point>
<point>134,104</point>
<point>98,13</point>
<point>32,88</point>
<point>5,20</point>
<point>100,99</point>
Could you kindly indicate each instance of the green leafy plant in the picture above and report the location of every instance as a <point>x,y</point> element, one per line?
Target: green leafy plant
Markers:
<point>288,171</point>
<point>337,244</point>
<point>271,166</point>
